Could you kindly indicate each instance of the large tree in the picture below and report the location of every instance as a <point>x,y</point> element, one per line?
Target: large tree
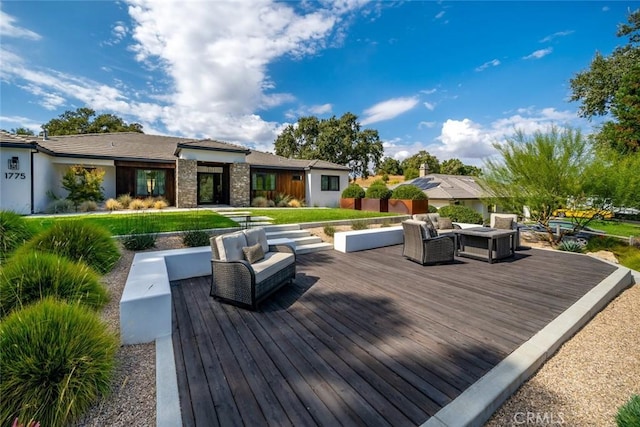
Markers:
<point>337,140</point>
<point>390,166</point>
<point>610,86</point>
<point>542,172</point>
<point>411,165</point>
<point>456,167</point>
<point>81,121</point>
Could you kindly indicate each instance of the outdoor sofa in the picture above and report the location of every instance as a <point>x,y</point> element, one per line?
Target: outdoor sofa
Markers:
<point>420,246</point>
<point>245,269</point>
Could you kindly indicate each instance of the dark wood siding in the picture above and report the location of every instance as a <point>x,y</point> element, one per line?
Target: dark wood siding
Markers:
<point>126,178</point>
<point>285,184</point>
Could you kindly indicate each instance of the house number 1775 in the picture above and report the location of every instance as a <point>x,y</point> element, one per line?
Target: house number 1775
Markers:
<point>15,175</point>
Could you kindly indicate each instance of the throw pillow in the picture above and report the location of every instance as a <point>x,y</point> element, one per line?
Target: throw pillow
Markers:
<point>445,223</point>
<point>253,253</point>
<point>430,229</point>
<point>503,223</point>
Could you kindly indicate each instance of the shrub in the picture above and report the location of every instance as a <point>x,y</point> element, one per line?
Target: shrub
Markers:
<point>59,206</point>
<point>56,360</point>
<point>88,206</point>
<point>329,230</point>
<point>139,242</point>
<point>282,200</point>
<point>295,203</point>
<point>195,238</point>
<point>411,173</point>
<point>598,243</point>
<point>32,277</point>
<point>260,202</point>
<point>148,202</point>
<point>124,200</point>
<point>136,204</point>
<point>385,177</point>
<point>14,231</point>
<point>409,191</point>
<point>160,203</point>
<point>432,209</point>
<point>378,181</point>
<point>113,205</point>
<point>629,413</point>
<point>359,225</point>
<point>570,246</point>
<point>353,191</point>
<point>78,241</point>
<point>378,192</point>
<point>459,213</point>
<point>83,184</point>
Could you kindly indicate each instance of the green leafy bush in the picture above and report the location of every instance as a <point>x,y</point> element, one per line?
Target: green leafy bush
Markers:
<point>83,184</point>
<point>629,413</point>
<point>27,279</point>
<point>78,241</point>
<point>570,246</point>
<point>195,238</point>
<point>329,230</point>
<point>359,225</point>
<point>353,191</point>
<point>14,231</point>
<point>378,191</point>
<point>459,213</point>
<point>408,192</point>
<point>432,209</point>
<point>56,360</point>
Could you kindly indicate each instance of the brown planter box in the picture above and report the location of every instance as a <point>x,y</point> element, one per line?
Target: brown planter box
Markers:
<point>375,205</point>
<point>408,207</point>
<point>351,203</point>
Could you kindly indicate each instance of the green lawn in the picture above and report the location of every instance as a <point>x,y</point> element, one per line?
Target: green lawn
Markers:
<point>617,228</point>
<point>294,215</point>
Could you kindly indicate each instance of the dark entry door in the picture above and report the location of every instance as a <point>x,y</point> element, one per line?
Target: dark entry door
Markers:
<point>209,188</point>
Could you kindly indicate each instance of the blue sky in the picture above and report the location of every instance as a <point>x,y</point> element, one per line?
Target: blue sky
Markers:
<point>451,78</point>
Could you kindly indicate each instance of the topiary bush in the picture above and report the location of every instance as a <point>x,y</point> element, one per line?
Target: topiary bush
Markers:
<point>432,209</point>
<point>353,191</point>
<point>14,231</point>
<point>378,192</point>
<point>30,278</point>
<point>459,213</point>
<point>78,241</point>
<point>408,192</point>
<point>629,414</point>
<point>195,238</point>
<point>56,360</point>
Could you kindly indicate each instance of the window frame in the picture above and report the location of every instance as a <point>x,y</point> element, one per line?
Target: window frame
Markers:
<point>265,180</point>
<point>329,182</point>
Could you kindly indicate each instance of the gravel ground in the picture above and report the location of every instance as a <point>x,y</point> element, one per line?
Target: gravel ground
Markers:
<point>583,384</point>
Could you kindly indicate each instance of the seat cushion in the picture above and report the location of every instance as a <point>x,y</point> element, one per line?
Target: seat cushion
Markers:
<point>257,235</point>
<point>230,246</point>
<point>503,223</point>
<point>429,228</point>
<point>253,253</point>
<point>271,264</point>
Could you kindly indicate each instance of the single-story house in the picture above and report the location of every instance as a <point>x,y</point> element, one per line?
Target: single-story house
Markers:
<point>186,172</point>
<point>446,190</point>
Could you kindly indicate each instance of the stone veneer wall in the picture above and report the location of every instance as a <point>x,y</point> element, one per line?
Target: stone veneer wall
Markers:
<point>187,183</point>
<point>240,185</point>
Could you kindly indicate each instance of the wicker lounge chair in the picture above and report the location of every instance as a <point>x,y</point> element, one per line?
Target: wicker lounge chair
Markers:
<point>243,281</point>
<point>421,248</point>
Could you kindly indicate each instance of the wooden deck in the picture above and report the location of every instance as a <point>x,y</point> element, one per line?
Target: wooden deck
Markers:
<point>364,338</point>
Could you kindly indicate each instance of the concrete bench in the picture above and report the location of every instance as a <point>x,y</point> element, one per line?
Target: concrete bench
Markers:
<point>359,240</point>
<point>145,305</point>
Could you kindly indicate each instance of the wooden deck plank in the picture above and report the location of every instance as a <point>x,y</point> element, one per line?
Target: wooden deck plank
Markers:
<point>365,338</point>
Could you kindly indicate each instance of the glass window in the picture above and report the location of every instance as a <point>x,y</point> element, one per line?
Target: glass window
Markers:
<point>263,181</point>
<point>150,182</point>
<point>329,183</point>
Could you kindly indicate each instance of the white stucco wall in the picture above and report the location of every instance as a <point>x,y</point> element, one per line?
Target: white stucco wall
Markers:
<point>15,184</point>
<point>317,197</point>
<point>211,156</point>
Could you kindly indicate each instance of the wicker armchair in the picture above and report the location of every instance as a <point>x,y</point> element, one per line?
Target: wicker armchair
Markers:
<point>421,248</point>
<point>238,282</point>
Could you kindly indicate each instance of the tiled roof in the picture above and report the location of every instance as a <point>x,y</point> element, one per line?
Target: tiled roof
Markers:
<point>11,140</point>
<point>210,144</point>
<point>449,187</point>
<point>268,160</point>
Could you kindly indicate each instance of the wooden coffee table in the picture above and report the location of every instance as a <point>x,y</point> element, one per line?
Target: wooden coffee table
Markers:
<point>487,244</point>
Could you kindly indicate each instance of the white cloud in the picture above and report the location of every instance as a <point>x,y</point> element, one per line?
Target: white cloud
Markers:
<point>429,91</point>
<point>492,63</point>
<point>440,14</point>
<point>429,106</point>
<point>321,109</point>
<point>314,110</point>
<point>19,121</point>
<point>388,109</point>
<point>539,53</point>
<point>555,35</point>
<point>118,33</point>
<point>605,8</point>
<point>9,29</point>
<point>423,125</point>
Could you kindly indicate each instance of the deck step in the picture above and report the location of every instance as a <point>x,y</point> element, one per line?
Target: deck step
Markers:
<point>289,234</point>
<point>233,213</point>
<point>281,227</point>
<point>313,247</point>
